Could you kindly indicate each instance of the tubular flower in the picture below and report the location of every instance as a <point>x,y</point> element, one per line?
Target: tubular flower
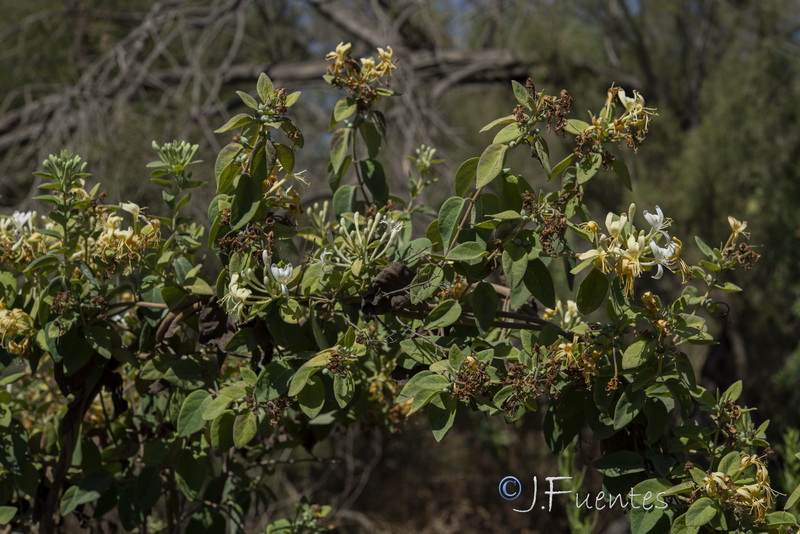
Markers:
<point>282,275</point>
<point>658,223</point>
<point>615,227</point>
<point>14,323</point>
<point>629,267</point>
<point>368,240</point>
<point>663,257</point>
<point>737,226</point>
<point>599,257</point>
<point>385,66</point>
<point>636,114</point>
<point>340,57</point>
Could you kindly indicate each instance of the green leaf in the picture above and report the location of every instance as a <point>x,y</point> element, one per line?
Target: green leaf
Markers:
<point>222,431</point>
<point>340,142</point>
<point>263,163</point>
<point>490,164</point>
<point>705,249</point>
<point>622,171</point>
<point>628,407</point>
<point>510,133</point>
<point>89,489</point>
<point>497,122</point>
<point>285,157</point>
<point>245,427</point>
<point>561,166</point>
<point>216,407</point>
<point>372,138</point>
<point>592,292</point>
<point>465,174</point>
<point>449,215</point>
<point>577,127</point>
<point>248,100</point>
<point>224,168</point>
<point>781,519</point>
<point>375,180</point>
<point>730,463</point>
<point>7,513</point>
<point>237,121</point>
<point>246,201</point>
<point>265,88</point>
<point>733,392</point>
<point>648,505</point>
<point>701,512</point>
<point>515,263</point>
<point>312,397</point>
<point>421,388</point>
<point>443,315</point>
<point>636,354</point>
<point>190,418</point>
<point>484,306</point>
<point>466,251</point>
<point>442,414</point>
<point>543,153</point>
<point>41,262</point>
<point>273,381</point>
<point>344,200</point>
<point>793,498</point>
<point>249,376</point>
<point>520,92</point>
<point>539,282</point>
<point>343,109</point>
<point>589,167</point>
<point>292,98</point>
<point>620,463</point>
<point>427,281</point>
<point>343,389</point>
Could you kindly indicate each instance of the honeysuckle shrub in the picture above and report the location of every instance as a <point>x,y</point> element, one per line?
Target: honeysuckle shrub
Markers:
<point>137,383</point>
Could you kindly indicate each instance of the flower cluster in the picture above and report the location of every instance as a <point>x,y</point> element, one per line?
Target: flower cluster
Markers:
<point>115,244</point>
<point>362,242</point>
<point>630,252</point>
<point>365,80</point>
<point>16,327</point>
<point>343,63</point>
<point>569,315</point>
<point>630,127</point>
<point>754,494</point>
<point>248,289</point>
<point>18,236</point>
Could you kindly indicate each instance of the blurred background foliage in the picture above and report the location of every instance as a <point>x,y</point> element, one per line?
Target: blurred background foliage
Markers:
<point>104,78</point>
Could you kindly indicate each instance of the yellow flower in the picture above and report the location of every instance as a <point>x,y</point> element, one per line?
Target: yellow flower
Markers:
<point>598,257</point>
<point>340,57</point>
<point>385,66</point>
<point>615,227</point>
<point>737,227</point>
<point>368,67</point>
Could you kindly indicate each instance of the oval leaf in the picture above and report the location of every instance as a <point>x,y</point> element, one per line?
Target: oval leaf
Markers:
<point>444,314</point>
<point>190,418</point>
<point>244,429</point>
<point>490,163</point>
<point>592,291</point>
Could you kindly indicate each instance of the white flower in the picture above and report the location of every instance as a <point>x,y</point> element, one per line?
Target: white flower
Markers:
<point>737,226</point>
<point>22,218</point>
<point>282,275</point>
<point>237,292</point>
<point>631,104</point>
<point>663,257</point>
<point>131,208</point>
<point>658,223</point>
<point>615,227</point>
